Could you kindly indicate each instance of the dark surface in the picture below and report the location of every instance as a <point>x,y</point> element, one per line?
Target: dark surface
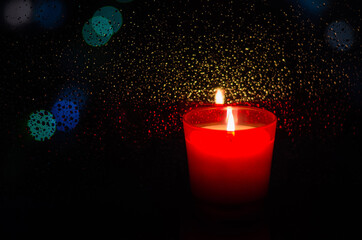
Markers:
<point>92,182</point>
<point>314,191</point>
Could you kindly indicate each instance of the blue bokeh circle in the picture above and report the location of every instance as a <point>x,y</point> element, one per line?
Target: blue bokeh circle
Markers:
<point>49,13</point>
<point>66,113</point>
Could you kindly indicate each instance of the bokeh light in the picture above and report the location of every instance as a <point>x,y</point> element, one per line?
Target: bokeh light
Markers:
<point>113,16</point>
<point>315,7</point>
<point>274,58</point>
<point>49,13</point>
<point>101,26</point>
<point>66,114</point>
<point>248,63</point>
<point>171,58</point>
<point>340,35</point>
<point>91,37</point>
<point>105,22</point>
<point>42,125</point>
<point>18,12</point>
<point>75,95</point>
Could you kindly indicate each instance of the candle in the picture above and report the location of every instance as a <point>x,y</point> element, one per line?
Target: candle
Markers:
<point>219,97</point>
<point>229,151</point>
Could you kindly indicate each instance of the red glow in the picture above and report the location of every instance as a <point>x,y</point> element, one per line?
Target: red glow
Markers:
<point>229,168</point>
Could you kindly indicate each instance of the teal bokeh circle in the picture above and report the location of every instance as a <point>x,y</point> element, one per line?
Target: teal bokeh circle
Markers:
<point>113,15</point>
<point>41,125</point>
<point>91,37</point>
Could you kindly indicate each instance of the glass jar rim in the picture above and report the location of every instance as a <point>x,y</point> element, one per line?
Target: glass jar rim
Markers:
<point>187,122</point>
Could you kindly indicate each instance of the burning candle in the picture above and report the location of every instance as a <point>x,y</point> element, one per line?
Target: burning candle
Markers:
<point>219,97</point>
<point>229,151</point>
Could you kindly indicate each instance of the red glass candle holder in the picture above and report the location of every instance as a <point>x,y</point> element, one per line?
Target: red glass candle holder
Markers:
<point>229,167</point>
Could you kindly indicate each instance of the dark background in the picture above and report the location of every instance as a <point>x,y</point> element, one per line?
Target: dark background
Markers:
<point>128,179</point>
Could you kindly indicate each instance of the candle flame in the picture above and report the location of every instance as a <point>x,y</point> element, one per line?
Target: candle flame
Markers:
<point>230,120</point>
<point>219,97</point>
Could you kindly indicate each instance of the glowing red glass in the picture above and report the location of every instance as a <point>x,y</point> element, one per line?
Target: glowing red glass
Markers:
<point>229,167</point>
